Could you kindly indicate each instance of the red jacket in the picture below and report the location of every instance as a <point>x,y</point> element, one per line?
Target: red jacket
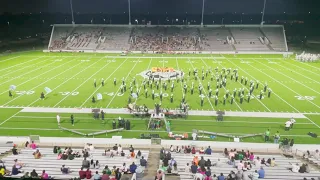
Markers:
<point>88,174</point>
<point>82,174</point>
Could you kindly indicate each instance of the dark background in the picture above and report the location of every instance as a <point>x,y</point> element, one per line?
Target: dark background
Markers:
<point>27,19</point>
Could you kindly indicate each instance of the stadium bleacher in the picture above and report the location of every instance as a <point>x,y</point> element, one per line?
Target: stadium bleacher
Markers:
<point>168,38</point>
<point>52,165</point>
<point>279,172</point>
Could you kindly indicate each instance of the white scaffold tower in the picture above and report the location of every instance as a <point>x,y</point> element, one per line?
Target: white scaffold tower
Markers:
<point>160,117</point>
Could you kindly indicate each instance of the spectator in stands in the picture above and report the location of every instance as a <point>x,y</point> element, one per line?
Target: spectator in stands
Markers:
<point>44,175</point>
<point>106,170</point>
<point>92,164</point>
<point>34,174</point>
<point>171,148</point>
<point>240,156</point>
<point>254,176</point>
<point>221,177</point>
<point>201,151</point>
<point>172,162</point>
<point>26,145</point>
<point>131,149</point>
<point>225,152</point>
<point>33,145</point>
<point>251,157</point>
<point>231,176</point>
<point>196,160</point>
<point>37,154</point>
<point>240,165</point>
<point>202,162</point>
<point>119,149</point>
<point>231,154</point>
<point>193,151</point>
<point>115,147</point>
<point>82,173</point>
<point>187,168</point>
<point>208,172</point>
<point>2,171</point>
<point>124,168</point>
<point>139,155</point>
<point>302,168</point>
<point>208,150</point>
<point>198,176</point>
<point>257,162</point>
<point>18,164</point>
<point>132,154</point>
<point>26,176</point>
<point>96,176</point>
<point>88,174</point>
<point>239,175</point>
<point>15,150</point>
<point>232,162</point>
<point>272,162</point>
<point>165,162</point>
<point>245,175</point>
<point>65,170</point>
<point>263,161</point>
<point>194,168</point>
<point>202,170</point>
<point>118,174</point>
<point>133,168</point>
<point>208,163</point>
<point>143,162</point>
<point>217,164</point>
<point>105,176</point>
<point>178,149</point>
<point>59,156</point>
<point>85,163</point>
<point>159,175</point>
<point>122,154</point>
<point>294,167</point>
<point>261,173</point>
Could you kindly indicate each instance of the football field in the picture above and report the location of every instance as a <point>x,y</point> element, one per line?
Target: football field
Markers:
<point>70,77</point>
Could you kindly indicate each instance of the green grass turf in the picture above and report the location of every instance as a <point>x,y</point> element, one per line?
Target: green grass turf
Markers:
<point>71,77</point>
<point>44,124</point>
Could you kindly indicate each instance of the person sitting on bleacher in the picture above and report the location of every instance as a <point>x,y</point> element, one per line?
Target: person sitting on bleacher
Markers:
<point>106,170</point>
<point>3,171</point>
<point>232,162</point>
<point>119,149</point>
<point>37,154</point>
<point>261,173</point>
<point>194,168</point>
<point>208,151</point>
<point>201,151</point>
<point>202,162</point>
<point>33,145</point>
<point>133,168</point>
<point>226,152</point>
<point>82,173</point>
<point>254,176</point>
<point>85,153</point>
<point>105,176</point>
<point>208,163</point>
<point>85,163</point>
<point>139,155</point>
<point>187,168</point>
<point>124,168</point>
<point>64,170</point>
<point>96,176</point>
<point>15,150</point>
<point>44,175</point>
<point>15,170</point>
<point>193,151</point>
<point>159,175</point>
<point>231,176</point>
<point>88,174</point>
<point>257,162</point>
<point>294,167</point>
<point>18,164</point>
<point>34,174</point>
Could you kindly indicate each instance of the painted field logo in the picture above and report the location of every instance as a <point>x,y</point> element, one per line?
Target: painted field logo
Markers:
<point>162,72</point>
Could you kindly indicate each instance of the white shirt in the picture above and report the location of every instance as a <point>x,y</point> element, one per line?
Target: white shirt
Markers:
<point>240,166</point>
<point>295,168</point>
<point>292,120</point>
<point>198,175</point>
<point>187,169</point>
<point>58,118</point>
<point>288,123</point>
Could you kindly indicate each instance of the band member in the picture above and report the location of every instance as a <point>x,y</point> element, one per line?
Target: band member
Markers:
<point>42,96</point>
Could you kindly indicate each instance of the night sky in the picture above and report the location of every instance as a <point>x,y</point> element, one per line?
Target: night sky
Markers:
<point>161,6</point>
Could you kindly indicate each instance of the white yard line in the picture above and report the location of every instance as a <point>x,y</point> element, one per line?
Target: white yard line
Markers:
<point>40,83</point>
<point>288,77</point>
<point>9,118</point>
<point>307,64</point>
<point>84,81</point>
<point>135,101</point>
<point>203,87</point>
<point>101,85</point>
<point>35,76</point>
<point>181,86</point>
<point>125,80</point>
<point>317,74</point>
<point>223,86</point>
<point>22,63</point>
<point>27,72</point>
<point>138,119</point>
<point>24,67</point>
<point>272,92</point>
<point>65,80</point>
<point>8,59</point>
<point>290,90</point>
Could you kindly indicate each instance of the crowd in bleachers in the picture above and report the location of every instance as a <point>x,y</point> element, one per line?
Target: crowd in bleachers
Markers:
<point>204,164</point>
<point>66,163</point>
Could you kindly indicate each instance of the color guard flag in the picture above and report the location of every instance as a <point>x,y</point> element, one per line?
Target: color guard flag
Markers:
<point>12,87</point>
<point>99,96</point>
<point>48,90</point>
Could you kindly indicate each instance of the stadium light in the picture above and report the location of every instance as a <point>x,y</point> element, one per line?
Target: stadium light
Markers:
<point>202,13</point>
<point>129,15</point>
<point>263,11</point>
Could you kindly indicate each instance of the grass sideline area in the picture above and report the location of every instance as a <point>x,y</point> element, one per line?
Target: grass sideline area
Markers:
<point>295,88</point>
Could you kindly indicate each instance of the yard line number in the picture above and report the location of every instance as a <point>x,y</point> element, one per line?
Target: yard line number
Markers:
<point>310,98</point>
<point>67,93</point>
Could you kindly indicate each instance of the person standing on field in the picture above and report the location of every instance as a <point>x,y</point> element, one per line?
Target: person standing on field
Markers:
<point>58,119</point>
<point>72,119</point>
